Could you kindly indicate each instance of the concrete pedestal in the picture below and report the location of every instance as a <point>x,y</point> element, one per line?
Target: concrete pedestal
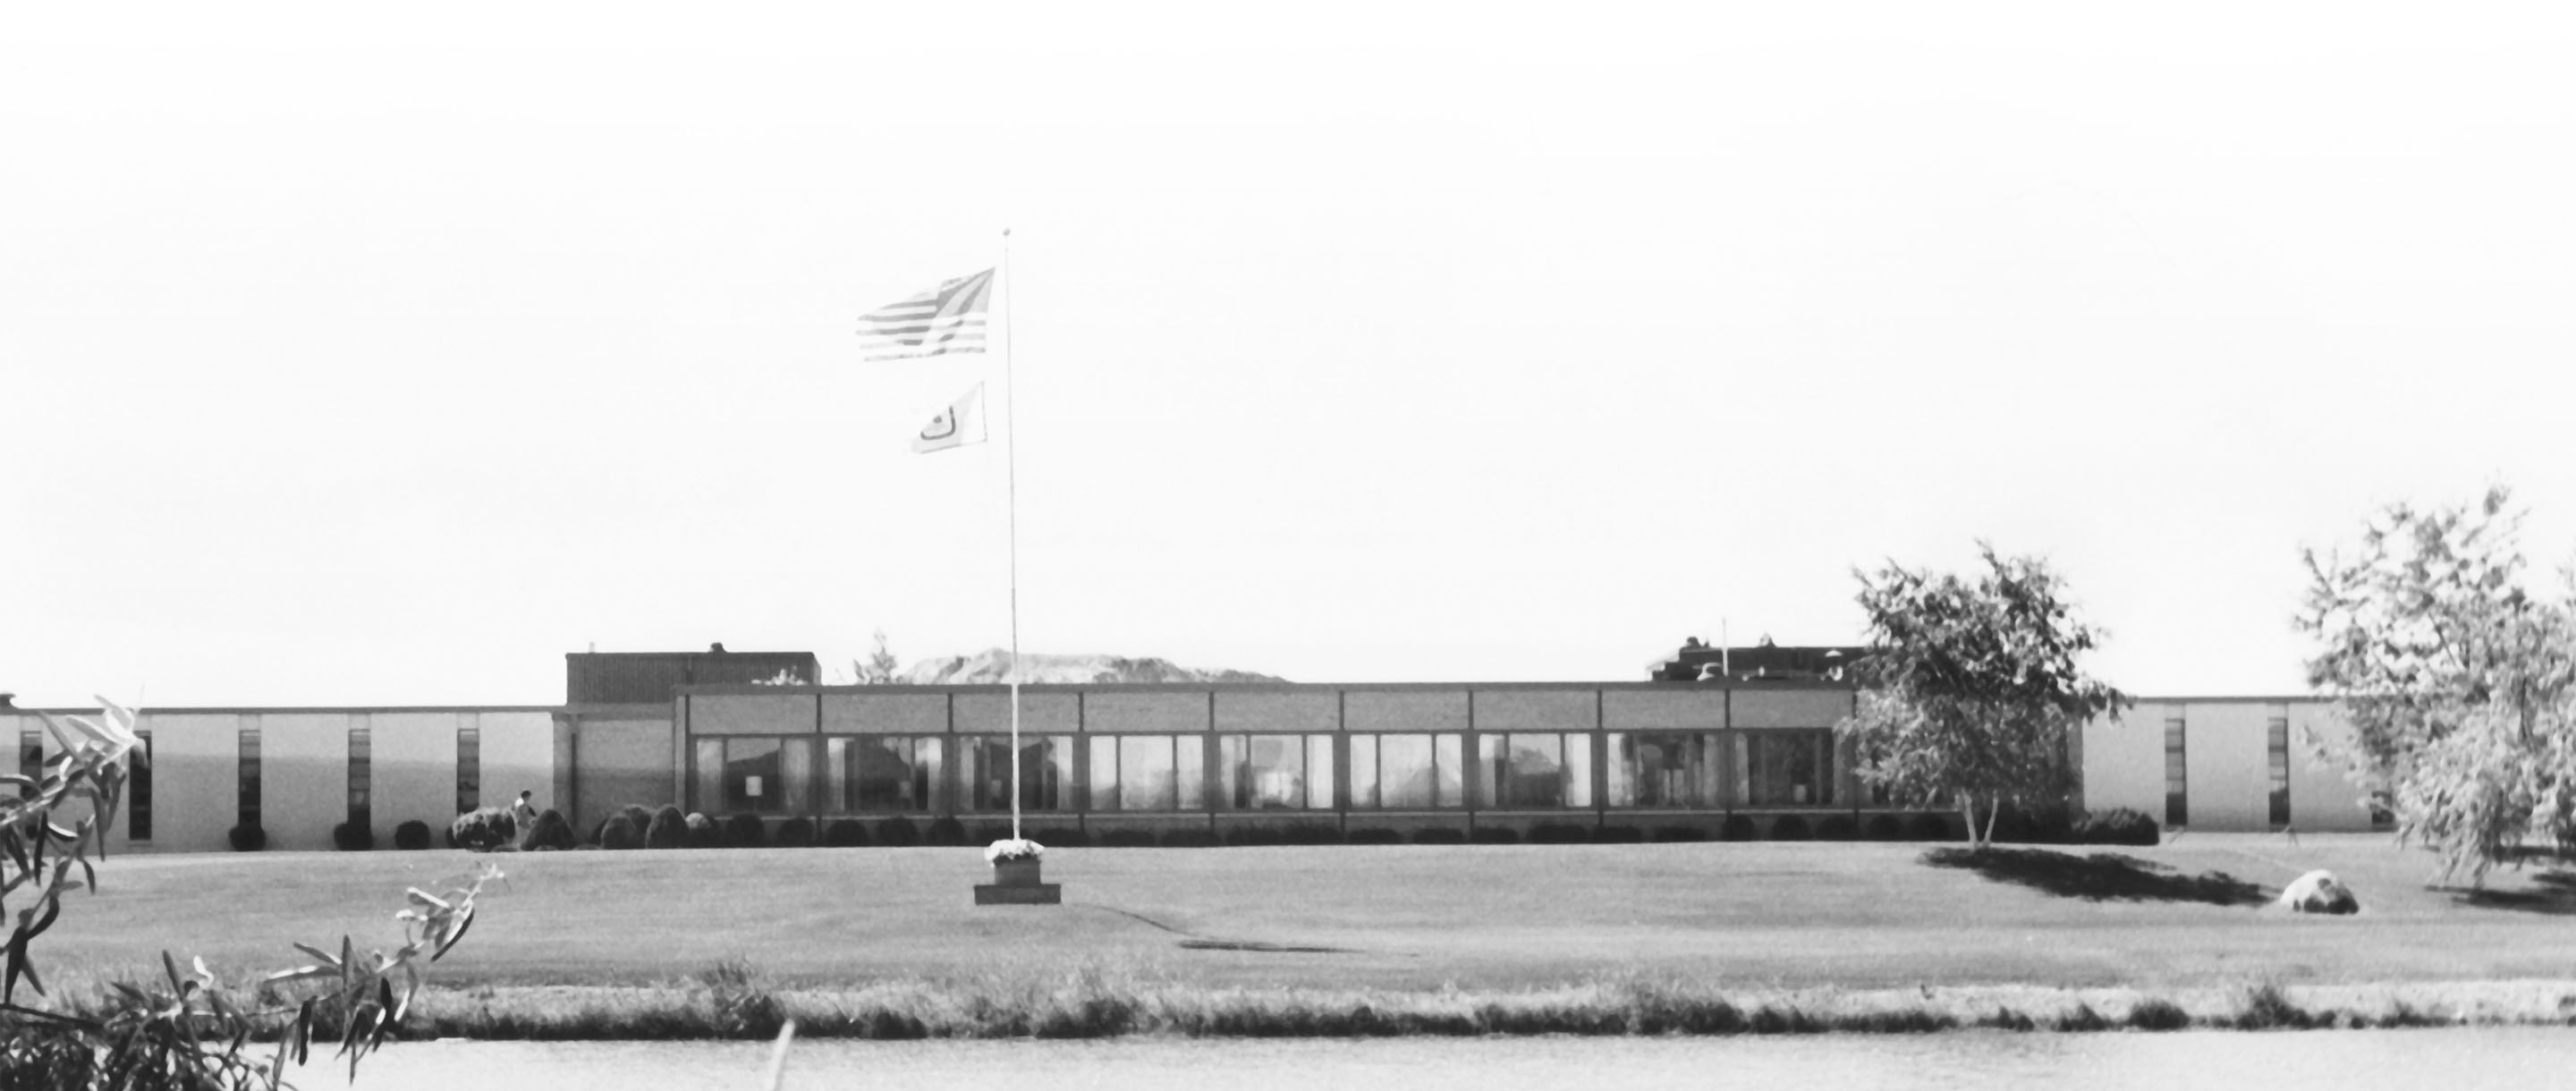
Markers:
<point>1015,882</point>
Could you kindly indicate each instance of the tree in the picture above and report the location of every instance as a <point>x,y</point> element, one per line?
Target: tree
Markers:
<point>880,667</point>
<point>2455,679</point>
<point>1970,689</point>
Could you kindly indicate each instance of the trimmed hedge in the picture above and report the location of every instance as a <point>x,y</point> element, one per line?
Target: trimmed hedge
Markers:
<point>702,832</point>
<point>1737,828</point>
<point>668,830</point>
<point>1312,833</point>
<point>638,816</point>
<point>844,833</point>
<point>945,833</point>
<point>744,831</point>
<point>1618,835</point>
<point>483,830</point>
<point>352,837</point>
<point>1440,835</point>
<point>1885,827</point>
<point>1191,837</point>
<point>412,836</point>
<point>795,833</point>
<point>1678,834</point>
<point>619,834</point>
<point>1256,836</point>
<point>1928,827</point>
<point>549,833</point>
<point>1790,827</point>
<point>1128,839</point>
<point>1558,833</point>
<point>1495,835</point>
<point>1062,837</point>
<point>898,833</point>
<point>248,838</point>
<point>1838,827</point>
<point>1374,835</point>
<point>2118,827</point>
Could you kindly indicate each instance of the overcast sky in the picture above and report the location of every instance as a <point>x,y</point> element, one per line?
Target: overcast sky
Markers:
<point>370,358</point>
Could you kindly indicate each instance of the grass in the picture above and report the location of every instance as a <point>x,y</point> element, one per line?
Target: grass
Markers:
<point>1692,938</point>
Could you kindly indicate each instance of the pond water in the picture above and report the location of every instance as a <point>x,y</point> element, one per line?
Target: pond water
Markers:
<point>1984,1061</point>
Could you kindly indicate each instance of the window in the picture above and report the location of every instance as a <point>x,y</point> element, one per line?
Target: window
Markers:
<point>247,806</point>
<point>2277,742</point>
<point>884,774</point>
<point>1663,769</point>
<point>138,789</point>
<point>1408,772</point>
<point>361,775</point>
<point>469,761</point>
<point>1147,772</point>
<point>750,775</point>
<point>2177,789</point>
<point>31,758</point>
<point>1784,768</point>
<point>1272,772</point>
<point>1046,766</point>
<point>1535,771</point>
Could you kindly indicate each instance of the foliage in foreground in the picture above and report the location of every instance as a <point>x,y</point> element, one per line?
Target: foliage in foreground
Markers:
<point>1970,689</point>
<point>2460,686</point>
<point>182,1030</point>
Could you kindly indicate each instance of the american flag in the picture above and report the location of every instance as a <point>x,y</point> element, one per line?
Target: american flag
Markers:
<point>945,319</point>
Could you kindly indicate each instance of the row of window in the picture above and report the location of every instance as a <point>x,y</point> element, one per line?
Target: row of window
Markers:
<point>361,802</point>
<point>1359,771</point>
<point>2276,759</point>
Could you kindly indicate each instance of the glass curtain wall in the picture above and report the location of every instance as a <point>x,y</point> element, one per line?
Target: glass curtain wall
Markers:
<point>885,774</point>
<point>1046,767</point>
<point>1535,771</point>
<point>1408,771</point>
<point>1665,769</point>
<point>1274,772</point>
<point>1784,768</point>
<point>1148,772</point>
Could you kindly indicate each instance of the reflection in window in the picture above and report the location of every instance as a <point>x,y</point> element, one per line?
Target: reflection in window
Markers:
<point>361,775</point>
<point>469,761</point>
<point>1147,772</point>
<point>1663,769</point>
<point>1407,772</point>
<point>1784,768</point>
<point>138,789</point>
<point>246,805</point>
<point>1265,772</point>
<point>1046,766</point>
<point>2276,742</point>
<point>751,768</point>
<point>1528,771</point>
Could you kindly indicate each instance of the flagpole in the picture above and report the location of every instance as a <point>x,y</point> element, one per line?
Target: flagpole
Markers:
<point>1011,475</point>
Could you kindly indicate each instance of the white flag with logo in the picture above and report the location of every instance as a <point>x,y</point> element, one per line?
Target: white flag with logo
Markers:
<point>956,426</point>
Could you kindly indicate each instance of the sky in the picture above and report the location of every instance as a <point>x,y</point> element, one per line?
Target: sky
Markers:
<point>364,357</point>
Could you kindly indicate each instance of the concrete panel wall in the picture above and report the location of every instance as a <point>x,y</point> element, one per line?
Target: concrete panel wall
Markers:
<point>519,755</point>
<point>414,771</point>
<point>752,713</point>
<point>1663,710</point>
<point>885,714</point>
<point>304,777</point>
<point>1537,709</point>
<point>1040,713</point>
<point>195,788</point>
<point>1404,710</point>
<point>2225,754</point>
<point>2322,798</point>
<point>2124,761</point>
<point>1295,713</point>
<point>1186,710</point>
<point>1789,707</point>
<point>618,762</point>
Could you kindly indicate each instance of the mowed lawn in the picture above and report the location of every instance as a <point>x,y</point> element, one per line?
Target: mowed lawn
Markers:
<point>1501,916</point>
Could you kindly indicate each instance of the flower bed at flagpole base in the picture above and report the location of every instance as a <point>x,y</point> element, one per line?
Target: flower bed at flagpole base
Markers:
<point>1016,877</point>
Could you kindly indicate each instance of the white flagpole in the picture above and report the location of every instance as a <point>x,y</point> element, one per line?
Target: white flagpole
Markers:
<point>1011,474</point>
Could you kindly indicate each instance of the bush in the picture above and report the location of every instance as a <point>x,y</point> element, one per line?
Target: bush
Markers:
<point>1439,835</point>
<point>1255,836</point>
<point>1127,839</point>
<point>1695,833</point>
<point>1374,835</point>
<point>1495,835</point>
<point>1558,833</point>
<point>1885,827</point>
<point>703,833</point>
<point>353,837</point>
<point>1838,827</point>
<point>1618,835</point>
<point>1061,837</point>
<point>1737,828</point>
<point>898,833</point>
<point>2118,827</point>
<point>744,831</point>
<point>795,833</point>
<point>945,832</point>
<point>844,833</point>
<point>619,833</point>
<point>638,816</point>
<point>1928,827</point>
<point>412,836</point>
<point>1190,837</point>
<point>549,832</point>
<point>249,838</point>
<point>1790,827</point>
<point>1312,833</point>
<point>483,830</point>
<point>668,830</point>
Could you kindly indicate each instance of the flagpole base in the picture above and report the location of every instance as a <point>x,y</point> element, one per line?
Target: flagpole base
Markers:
<point>1033,894</point>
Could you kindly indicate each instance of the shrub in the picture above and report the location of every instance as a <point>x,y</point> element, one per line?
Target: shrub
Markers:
<point>1696,833</point>
<point>1061,837</point>
<point>1190,837</point>
<point>550,831</point>
<point>247,838</point>
<point>638,816</point>
<point>1127,839</point>
<point>1495,835</point>
<point>1618,835</point>
<point>668,830</point>
<point>1928,827</point>
<point>412,836</point>
<point>1838,827</point>
<point>1558,833</point>
<point>1312,833</point>
<point>844,833</point>
<point>1790,827</point>
<point>2117,827</point>
<point>1737,828</point>
<point>898,832</point>
<point>2158,1014</point>
<point>1255,836</point>
<point>1440,835</point>
<point>1374,835</point>
<point>795,833</point>
<point>483,830</point>
<point>353,837</point>
<point>619,833</point>
<point>945,832</point>
<point>1885,827</point>
<point>703,833</point>
<point>744,831</point>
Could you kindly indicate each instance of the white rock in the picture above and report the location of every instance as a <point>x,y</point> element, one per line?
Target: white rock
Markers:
<point>2319,892</point>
